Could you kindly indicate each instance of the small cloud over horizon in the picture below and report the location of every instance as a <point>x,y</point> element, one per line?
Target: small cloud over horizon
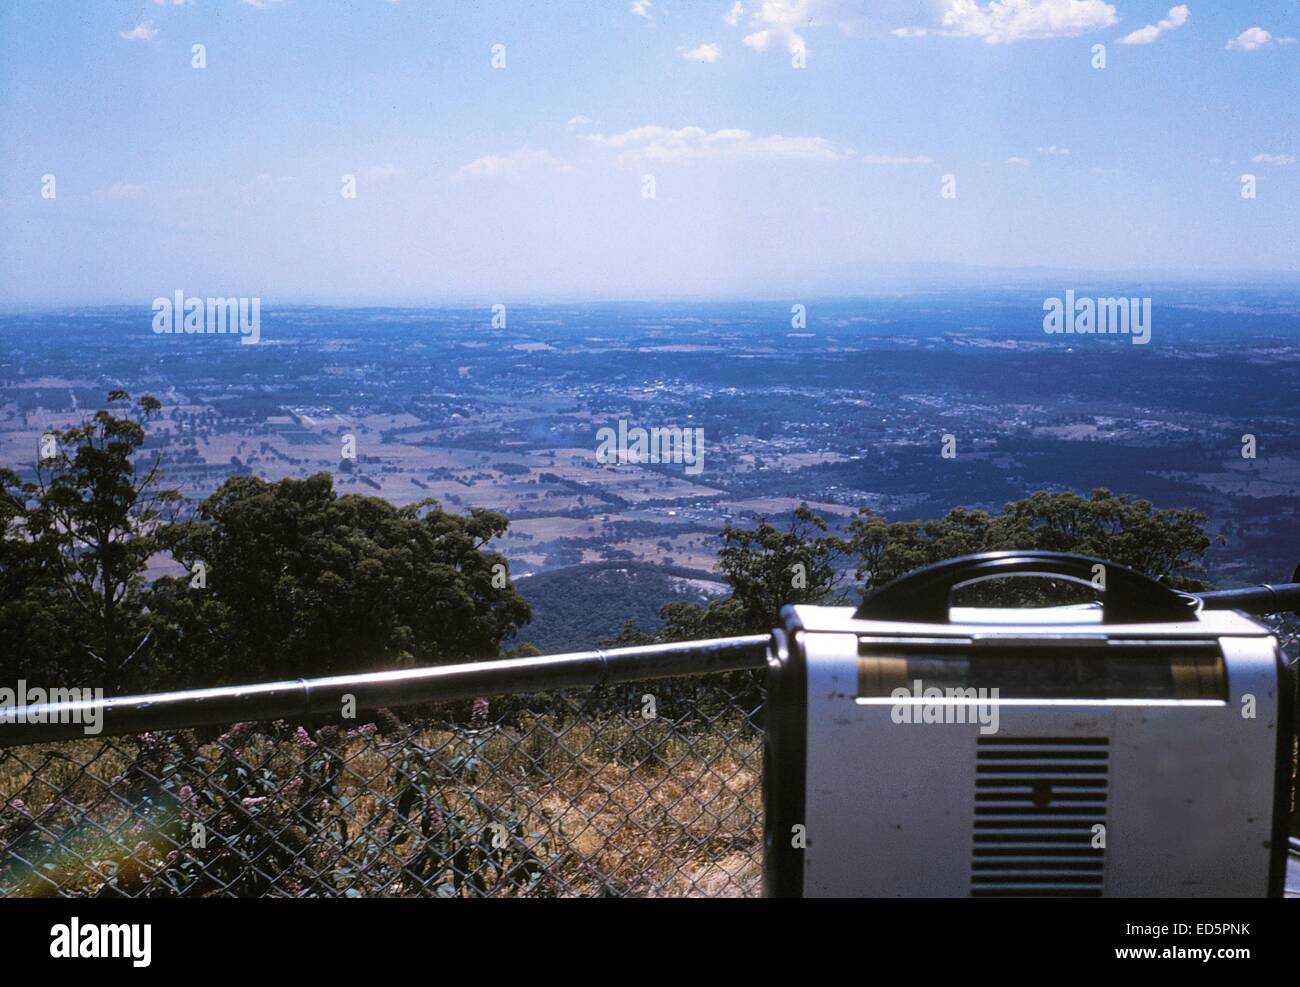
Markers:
<point>668,145</point>
<point>144,31</point>
<point>1254,38</point>
<point>1175,19</point>
<point>511,166</point>
<point>709,53</point>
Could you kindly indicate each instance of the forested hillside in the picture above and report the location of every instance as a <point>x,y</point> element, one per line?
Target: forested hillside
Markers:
<point>577,607</point>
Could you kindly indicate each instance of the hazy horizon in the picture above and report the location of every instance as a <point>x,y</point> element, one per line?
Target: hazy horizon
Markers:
<point>1024,279</point>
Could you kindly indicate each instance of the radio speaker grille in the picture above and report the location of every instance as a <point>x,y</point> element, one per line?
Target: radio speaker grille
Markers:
<point>1038,804</point>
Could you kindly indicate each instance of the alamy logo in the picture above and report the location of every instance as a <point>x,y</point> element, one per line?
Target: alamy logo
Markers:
<point>1087,316</point>
<point>196,316</point>
<point>951,705</point>
<point>683,446</point>
<point>24,705</point>
<point>75,941</point>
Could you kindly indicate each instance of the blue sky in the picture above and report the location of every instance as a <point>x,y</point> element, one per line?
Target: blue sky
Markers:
<point>477,183</point>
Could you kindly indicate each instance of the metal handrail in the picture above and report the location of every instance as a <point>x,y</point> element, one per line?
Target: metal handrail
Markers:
<point>47,722</point>
<point>1260,599</point>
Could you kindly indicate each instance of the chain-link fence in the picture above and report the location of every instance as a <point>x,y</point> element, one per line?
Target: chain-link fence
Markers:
<point>638,789</point>
<point>646,785</point>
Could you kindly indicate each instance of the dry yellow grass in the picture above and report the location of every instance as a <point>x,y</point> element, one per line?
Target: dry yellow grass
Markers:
<point>615,805</point>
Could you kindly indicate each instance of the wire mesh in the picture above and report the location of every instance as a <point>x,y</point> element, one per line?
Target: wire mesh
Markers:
<point>647,790</point>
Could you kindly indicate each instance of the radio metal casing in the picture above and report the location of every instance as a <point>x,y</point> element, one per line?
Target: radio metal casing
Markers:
<point>1193,794</point>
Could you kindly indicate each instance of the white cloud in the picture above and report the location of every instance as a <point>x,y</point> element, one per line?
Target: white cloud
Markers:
<point>1250,39</point>
<point>170,3</point>
<point>1015,162</point>
<point>144,31</point>
<point>783,25</point>
<point>578,120</point>
<point>666,145</point>
<point>703,53</point>
<point>260,4</point>
<point>783,20</point>
<point>1142,36</point>
<point>1007,21</point>
<point>512,166</point>
<point>642,8</point>
<point>1053,149</point>
<point>1176,18</point>
<point>887,159</point>
<point>1274,159</point>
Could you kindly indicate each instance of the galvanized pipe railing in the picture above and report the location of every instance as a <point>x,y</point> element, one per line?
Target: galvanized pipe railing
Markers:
<point>1260,599</point>
<point>47,722</point>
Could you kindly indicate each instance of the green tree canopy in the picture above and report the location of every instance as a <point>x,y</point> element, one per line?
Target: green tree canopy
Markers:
<point>297,581</point>
<point>37,621</point>
<point>1168,544</point>
<point>758,563</point>
<point>93,520</point>
<point>768,567</point>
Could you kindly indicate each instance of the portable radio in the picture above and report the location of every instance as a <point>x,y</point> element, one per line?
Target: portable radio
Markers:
<point>1136,747</point>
